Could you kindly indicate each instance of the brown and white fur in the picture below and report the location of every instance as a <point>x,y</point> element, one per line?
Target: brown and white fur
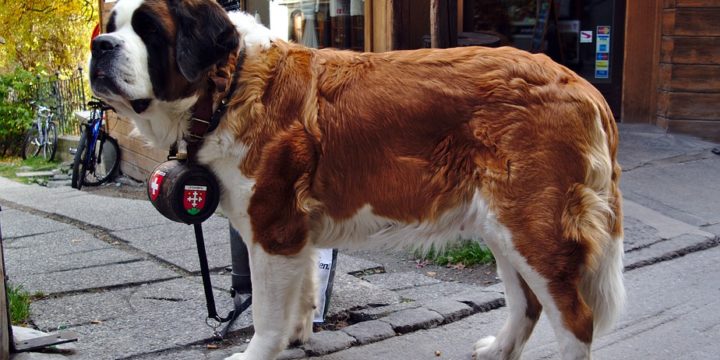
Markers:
<point>326,148</point>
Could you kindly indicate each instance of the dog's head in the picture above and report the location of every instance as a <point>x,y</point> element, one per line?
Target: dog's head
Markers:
<point>159,51</point>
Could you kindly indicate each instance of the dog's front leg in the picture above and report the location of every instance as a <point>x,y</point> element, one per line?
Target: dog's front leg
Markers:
<point>279,248</point>
<point>276,296</point>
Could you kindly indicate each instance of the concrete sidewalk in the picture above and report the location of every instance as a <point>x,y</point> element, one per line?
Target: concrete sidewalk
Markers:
<point>126,279</point>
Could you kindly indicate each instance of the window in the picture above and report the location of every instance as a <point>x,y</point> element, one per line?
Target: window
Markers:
<point>320,23</point>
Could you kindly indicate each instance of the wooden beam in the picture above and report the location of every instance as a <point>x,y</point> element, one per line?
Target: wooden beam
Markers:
<point>460,15</point>
<point>442,24</point>
<point>643,25</point>
<point>100,14</point>
<point>368,25</point>
<point>435,23</point>
<point>4,310</point>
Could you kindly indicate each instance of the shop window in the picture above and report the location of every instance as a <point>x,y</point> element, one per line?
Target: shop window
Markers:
<point>320,23</point>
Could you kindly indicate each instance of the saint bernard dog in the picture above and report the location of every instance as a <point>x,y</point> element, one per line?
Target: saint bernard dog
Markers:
<point>328,148</point>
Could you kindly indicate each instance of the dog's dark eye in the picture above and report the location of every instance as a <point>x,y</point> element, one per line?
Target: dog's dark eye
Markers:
<point>111,23</point>
<point>145,25</point>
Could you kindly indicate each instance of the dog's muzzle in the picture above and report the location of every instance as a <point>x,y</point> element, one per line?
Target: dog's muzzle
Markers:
<point>105,50</point>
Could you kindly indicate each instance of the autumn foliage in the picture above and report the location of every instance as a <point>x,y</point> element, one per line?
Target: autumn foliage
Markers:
<point>49,35</point>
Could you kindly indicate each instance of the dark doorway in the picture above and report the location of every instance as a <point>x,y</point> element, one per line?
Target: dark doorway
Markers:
<point>585,35</point>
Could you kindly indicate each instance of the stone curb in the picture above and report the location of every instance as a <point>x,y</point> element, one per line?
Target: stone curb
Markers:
<point>398,322</point>
<point>325,342</point>
<point>450,310</point>
<point>406,321</point>
<point>370,331</point>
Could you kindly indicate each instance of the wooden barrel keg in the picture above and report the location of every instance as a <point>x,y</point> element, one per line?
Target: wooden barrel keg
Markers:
<point>183,192</point>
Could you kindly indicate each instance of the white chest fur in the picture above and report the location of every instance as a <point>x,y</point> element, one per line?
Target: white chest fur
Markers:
<point>223,155</point>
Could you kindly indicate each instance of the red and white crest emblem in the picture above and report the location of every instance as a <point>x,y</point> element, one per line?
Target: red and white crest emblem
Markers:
<point>194,198</point>
<point>154,184</point>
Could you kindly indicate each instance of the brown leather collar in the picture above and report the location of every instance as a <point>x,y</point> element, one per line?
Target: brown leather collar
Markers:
<point>204,119</point>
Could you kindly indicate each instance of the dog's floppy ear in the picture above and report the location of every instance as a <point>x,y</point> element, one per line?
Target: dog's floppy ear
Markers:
<point>205,36</point>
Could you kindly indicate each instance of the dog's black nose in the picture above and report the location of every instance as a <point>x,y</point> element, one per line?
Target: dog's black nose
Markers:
<point>104,44</point>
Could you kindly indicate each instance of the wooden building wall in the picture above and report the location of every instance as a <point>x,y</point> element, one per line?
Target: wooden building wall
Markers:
<point>689,69</point>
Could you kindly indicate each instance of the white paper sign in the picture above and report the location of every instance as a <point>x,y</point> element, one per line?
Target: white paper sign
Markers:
<point>586,36</point>
<point>325,257</point>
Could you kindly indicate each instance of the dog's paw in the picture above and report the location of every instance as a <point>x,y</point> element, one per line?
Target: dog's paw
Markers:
<point>485,349</point>
<point>302,331</point>
<point>237,356</point>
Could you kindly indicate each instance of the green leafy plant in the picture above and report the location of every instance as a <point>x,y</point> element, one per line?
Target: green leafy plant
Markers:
<point>16,113</point>
<point>464,253</point>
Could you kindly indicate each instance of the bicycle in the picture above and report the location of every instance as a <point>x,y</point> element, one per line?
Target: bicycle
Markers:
<point>97,157</point>
<point>42,135</point>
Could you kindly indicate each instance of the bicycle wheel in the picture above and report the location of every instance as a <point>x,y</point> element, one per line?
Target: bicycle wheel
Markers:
<point>78,168</point>
<point>51,141</point>
<point>31,144</point>
<point>106,161</point>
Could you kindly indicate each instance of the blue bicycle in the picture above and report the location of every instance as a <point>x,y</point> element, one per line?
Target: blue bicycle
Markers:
<point>97,158</point>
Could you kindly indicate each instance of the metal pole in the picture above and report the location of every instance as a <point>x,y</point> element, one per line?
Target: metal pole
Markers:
<point>241,283</point>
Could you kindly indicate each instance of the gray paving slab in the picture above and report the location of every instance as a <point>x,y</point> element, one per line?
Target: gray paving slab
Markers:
<point>370,331</point>
<point>681,191</point>
<point>192,354</point>
<point>92,278</point>
<point>40,260</point>
<point>350,292</point>
<point>713,229</point>
<point>437,291</point>
<point>106,212</point>
<point>162,316</point>
<point>7,184</point>
<point>638,234</point>
<point>643,143</point>
<point>56,243</point>
<point>51,314</point>
<point>175,242</point>
<point>667,249</point>
<point>400,280</point>
<point>406,321</point>
<point>354,265</point>
<point>16,223</point>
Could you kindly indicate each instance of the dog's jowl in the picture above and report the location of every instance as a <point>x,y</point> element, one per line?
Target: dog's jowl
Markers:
<point>327,148</point>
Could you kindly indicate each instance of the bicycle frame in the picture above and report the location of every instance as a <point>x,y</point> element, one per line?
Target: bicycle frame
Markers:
<point>42,119</point>
<point>93,134</point>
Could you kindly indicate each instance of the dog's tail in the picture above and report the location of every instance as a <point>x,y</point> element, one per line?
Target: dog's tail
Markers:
<point>589,219</point>
<point>593,217</point>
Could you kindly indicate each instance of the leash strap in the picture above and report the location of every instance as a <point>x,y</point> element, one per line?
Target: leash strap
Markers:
<point>240,307</point>
<point>205,272</point>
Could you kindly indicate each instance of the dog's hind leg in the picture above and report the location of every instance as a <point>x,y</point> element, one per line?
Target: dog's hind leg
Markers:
<point>524,309</point>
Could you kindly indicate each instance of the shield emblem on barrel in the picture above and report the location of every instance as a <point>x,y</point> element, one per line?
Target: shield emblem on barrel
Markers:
<point>155,183</point>
<point>194,198</point>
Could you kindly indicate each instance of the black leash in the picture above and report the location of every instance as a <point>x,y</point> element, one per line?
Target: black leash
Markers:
<point>210,297</point>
